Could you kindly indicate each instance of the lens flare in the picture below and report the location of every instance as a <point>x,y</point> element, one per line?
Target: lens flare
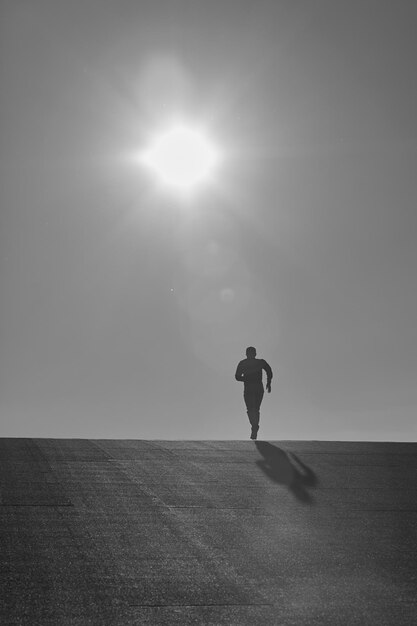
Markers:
<point>183,157</point>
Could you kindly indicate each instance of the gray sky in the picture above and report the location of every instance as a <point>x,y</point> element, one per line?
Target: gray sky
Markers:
<point>123,309</point>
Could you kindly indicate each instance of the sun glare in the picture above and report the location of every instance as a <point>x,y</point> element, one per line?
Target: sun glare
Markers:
<point>182,157</point>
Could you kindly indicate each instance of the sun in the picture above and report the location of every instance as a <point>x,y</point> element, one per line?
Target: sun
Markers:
<point>182,157</point>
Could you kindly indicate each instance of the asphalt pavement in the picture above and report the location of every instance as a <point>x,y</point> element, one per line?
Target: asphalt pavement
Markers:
<point>121,532</point>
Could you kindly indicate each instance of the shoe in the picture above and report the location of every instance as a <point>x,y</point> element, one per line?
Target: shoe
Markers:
<point>253,434</point>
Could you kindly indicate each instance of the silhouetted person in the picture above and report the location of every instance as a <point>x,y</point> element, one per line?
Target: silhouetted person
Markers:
<point>249,371</point>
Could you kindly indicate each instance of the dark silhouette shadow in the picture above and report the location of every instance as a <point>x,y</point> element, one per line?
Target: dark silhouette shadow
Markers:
<point>286,469</point>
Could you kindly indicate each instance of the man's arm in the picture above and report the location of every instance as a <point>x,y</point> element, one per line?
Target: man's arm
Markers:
<point>269,375</point>
<point>239,375</point>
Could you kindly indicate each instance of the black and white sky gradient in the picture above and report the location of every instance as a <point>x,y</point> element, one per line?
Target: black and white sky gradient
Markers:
<point>124,308</point>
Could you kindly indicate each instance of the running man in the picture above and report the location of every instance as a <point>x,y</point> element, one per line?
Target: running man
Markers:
<point>249,371</point>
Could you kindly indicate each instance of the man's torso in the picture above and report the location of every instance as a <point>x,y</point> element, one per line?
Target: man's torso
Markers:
<point>252,370</point>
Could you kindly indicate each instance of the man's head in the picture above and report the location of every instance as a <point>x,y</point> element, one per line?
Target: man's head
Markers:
<point>251,352</point>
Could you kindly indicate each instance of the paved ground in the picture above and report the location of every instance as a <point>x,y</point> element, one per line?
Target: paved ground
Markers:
<point>207,532</point>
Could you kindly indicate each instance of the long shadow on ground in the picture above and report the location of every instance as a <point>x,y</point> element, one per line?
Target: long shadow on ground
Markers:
<point>286,470</point>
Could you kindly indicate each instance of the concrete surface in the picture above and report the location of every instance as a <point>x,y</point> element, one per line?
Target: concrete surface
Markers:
<point>207,532</point>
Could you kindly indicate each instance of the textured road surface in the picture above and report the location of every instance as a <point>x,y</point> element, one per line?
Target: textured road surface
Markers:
<point>111,532</point>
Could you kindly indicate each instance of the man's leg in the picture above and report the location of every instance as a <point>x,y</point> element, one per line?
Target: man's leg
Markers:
<point>253,395</point>
<point>257,401</point>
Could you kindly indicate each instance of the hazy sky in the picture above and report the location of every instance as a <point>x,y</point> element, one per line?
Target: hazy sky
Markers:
<point>123,309</point>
